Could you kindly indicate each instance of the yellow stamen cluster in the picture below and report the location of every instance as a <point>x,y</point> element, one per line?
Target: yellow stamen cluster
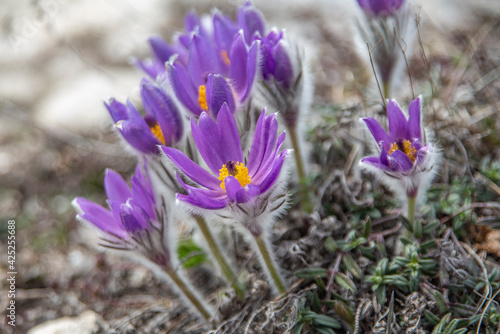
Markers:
<point>156,130</point>
<point>225,57</point>
<point>408,149</point>
<point>202,97</point>
<point>238,170</point>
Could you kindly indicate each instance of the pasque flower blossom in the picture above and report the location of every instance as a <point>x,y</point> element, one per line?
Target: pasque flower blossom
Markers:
<point>162,124</point>
<point>406,164</point>
<point>286,85</point>
<point>247,190</point>
<point>386,26</point>
<point>138,226</point>
<point>234,183</point>
<point>213,76</point>
<point>130,217</point>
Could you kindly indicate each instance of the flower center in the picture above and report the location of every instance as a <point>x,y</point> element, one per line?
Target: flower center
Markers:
<point>225,57</point>
<point>202,97</point>
<point>238,170</point>
<point>156,130</point>
<point>408,149</point>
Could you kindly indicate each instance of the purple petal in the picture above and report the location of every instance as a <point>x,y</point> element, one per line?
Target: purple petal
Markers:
<point>191,169</point>
<point>378,132</point>
<point>161,49</point>
<point>98,216</point>
<point>398,124</point>
<point>399,162</point>
<point>139,136</point>
<point>251,69</point>
<point>232,187</point>
<point>164,109</point>
<point>203,59</point>
<point>142,196</point>
<point>414,130</point>
<point>374,161</point>
<point>239,63</point>
<point>267,164</point>
<point>151,67</point>
<point>284,69</point>
<point>133,217</point>
<point>117,110</point>
<point>117,189</point>
<point>201,201</point>
<point>183,87</point>
<point>273,174</point>
<point>218,194</point>
<point>247,193</point>
<point>207,139</point>
<point>229,135</point>
<point>263,142</point>
<point>219,92</point>
<point>224,31</point>
<point>251,21</point>
<point>192,21</point>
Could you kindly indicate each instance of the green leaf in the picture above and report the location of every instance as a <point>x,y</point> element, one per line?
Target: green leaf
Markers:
<point>431,317</point>
<point>324,320</point>
<point>381,295</point>
<point>331,245</point>
<point>311,273</point>
<point>368,228</point>
<point>345,282</point>
<point>297,329</point>
<point>451,327</point>
<point>351,265</point>
<point>324,330</point>
<point>439,329</point>
<point>190,254</point>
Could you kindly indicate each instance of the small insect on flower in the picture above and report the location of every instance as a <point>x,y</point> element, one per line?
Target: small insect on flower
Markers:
<point>406,163</point>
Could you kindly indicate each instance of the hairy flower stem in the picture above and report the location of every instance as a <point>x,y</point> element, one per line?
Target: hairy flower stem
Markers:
<point>415,223</point>
<point>200,306</point>
<point>387,89</point>
<point>297,152</point>
<point>270,264</point>
<point>219,257</point>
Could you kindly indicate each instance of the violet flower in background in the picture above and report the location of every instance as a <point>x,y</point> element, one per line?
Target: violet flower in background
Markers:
<point>385,25</point>
<point>286,86</point>
<point>406,163</point>
<point>162,124</point>
<point>132,225</point>
<point>204,84</point>
<point>380,7</point>
<point>247,190</point>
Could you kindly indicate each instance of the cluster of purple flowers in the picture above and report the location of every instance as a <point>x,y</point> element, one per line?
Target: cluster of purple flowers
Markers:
<point>217,73</point>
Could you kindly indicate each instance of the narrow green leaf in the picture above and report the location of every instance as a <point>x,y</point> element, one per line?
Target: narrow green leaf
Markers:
<point>345,282</point>
<point>311,273</point>
<point>297,329</point>
<point>351,265</point>
<point>324,320</point>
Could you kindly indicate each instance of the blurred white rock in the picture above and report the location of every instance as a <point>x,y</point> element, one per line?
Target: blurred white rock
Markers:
<point>85,323</point>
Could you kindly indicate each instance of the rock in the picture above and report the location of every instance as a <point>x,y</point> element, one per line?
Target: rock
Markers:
<point>85,323</point>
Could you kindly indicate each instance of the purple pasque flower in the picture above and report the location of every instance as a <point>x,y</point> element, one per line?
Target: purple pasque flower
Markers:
<point>162,124</point>
<point>131,222</point>
<point>251,21</point>
<point>209,79</point>
<point>380,7</point>
<point>276,60</point>
<point>237,187</point>
<point>406,163</point>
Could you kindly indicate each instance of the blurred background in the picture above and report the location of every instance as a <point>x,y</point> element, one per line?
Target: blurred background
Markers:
<point>61,59</point>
